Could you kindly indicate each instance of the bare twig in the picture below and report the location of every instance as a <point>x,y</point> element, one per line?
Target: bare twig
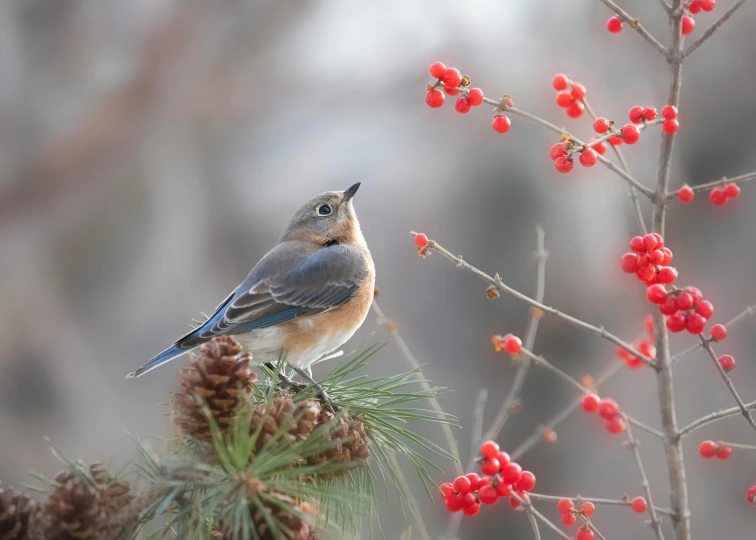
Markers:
<point>706,35</point>
<point>414,364</point>
<point>732,323</point>
<point>738,445</point>
<point>717,183</point>
<point>534,524</point>
<point>530,509</point>
<point>743,409</point>
<point>588,523</point>
<point>477,418</point>
<point>655,521</point>
<point>580,499</point>
<point>499,285</point>
<point>713,417</point>
<point>633,22</point>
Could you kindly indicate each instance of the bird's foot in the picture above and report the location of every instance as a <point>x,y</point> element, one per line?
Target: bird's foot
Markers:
<point>285,382</point>
<point>321,391</point>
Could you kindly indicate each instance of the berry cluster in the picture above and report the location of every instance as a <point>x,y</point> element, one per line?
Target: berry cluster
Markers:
<point>511,344</point>
<point>718,195</point>
<point>710,449</point>
<point>449,79</point>
<point>561,154</point>
<point>696,6</point>
<point>567,508</point>
<point>645,346</point>
<point>650,260</point>
<point>685,309</point>
<point>608,410</point>
<point>570,95</point>
<point>502,478</point>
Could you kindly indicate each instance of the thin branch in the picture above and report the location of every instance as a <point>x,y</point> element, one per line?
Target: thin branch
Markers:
<point>530,509</point>
<point>713,417</point>
<point>477,418</point>
<point>747,177</point>
<point>665,6</point>
<point>587,522</point>
<point>416,513</point>
<point>655,521</point>
<point>706,35</point>
<point>499,285</point>
<point>534,524</point>
<point>633,22</point>
<point>738,445</point>
<point>743,409</point>
<point>732,323</point>
<point>415,365</point>
<point>580,499</point>
<point>623,162</point>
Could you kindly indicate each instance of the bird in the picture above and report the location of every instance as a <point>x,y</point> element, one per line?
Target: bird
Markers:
<point>304,299</point>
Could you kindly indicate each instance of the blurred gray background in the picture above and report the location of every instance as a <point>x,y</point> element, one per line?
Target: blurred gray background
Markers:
<point>151,151</point>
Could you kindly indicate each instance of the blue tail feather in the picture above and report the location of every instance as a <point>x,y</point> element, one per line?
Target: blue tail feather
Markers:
<point>165,356</point>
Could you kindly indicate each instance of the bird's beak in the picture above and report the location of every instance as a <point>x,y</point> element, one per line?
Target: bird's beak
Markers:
<point>349,193</point>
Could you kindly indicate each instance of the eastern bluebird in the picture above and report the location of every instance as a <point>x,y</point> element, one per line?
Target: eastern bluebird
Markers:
<point>306,297</point>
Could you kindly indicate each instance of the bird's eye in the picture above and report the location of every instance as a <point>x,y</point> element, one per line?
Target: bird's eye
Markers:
<point>324,210</point>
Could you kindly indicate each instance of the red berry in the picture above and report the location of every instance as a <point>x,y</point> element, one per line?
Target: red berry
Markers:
<point>503,458</point>
<point>437,70</point>
<point>564,99</point>
<point>724,452</point>
<point>588,158</point>
<point>591,403</point>
<point>511,473</point>
<point>565,506</point>
<point>615,141</point>
<point>629,263</point>
<point>578,91</point>
<point>447,489</point>
<point>421,241</point>
<point>475,481</point>
<point>670,126</point>
<point>601,125</point>
<point>614,25</point>
<point>514,503</point>
<point>659,240</point>
<point>718,332</point>
<point>687,25</point>
<point>695,7</point>
<point>472,510</point>
<point>707,5</point>
<point>512,344</point>
<point>751,495</point>
<point>695,293</point>
<point>588,509</point>
<point>637,244</point>
<point>557,151</point>
<point>599,147</point>
<point>575,109</point>
<point>636,115</point>
<point>451,91</point>
<point>684,301</point>
<point>645,274</point>
<point>686,194</point>
<point>489,449</point>
<point>638,504</point>
<point>676,322</point>
<point>434,98</point>
<point>467,499</point>
<point>584,534</point>
<point>608,408</point>
<point>500,123</point>
<point>568,520</point>
<point>649,113</point>
<point>707,449</point>
<point>462,105</point>
<point>452,78</point>
<point>651,240</point>
<point>695,323</point>
<point>503,490</point>
<point>616,425</point>
<point>648,322</point>
<point>656,294</point>
<point>705,309</point>
<point>669,112</point>
<point>631,133</point>
<point>563,165</point>
<point>718,196</point>
<point>727,362</point>
<point>462,484</point>
<point>487,495</point>
<point>647,349</point>
<point>667,275</point>
<point>526,482</point>
<point>732,191</point>
<point>454,503</point>
<point>560,81</point>
<point>656,257</point>
<point>667,256</point>
<point>491,466</point>
<point>475,96</point>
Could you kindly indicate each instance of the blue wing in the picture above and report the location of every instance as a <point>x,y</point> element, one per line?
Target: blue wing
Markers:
<point>294,279</point>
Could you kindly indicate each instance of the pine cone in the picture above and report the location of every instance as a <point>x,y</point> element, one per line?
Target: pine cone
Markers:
<point>221,376</point>
<point>78,510</point>
<point>16,509</point>
<point>300,420</point>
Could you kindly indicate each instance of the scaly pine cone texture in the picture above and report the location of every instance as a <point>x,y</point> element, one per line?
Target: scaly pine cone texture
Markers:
<point>301,419</point>
<point>222,377</point>
<point>16,509</point>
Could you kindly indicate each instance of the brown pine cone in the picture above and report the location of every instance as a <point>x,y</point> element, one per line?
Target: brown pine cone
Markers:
<point>221,376</point>
<point>16,509</point>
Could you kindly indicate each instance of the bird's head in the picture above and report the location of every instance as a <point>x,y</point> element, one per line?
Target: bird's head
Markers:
<point>326,219</point>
